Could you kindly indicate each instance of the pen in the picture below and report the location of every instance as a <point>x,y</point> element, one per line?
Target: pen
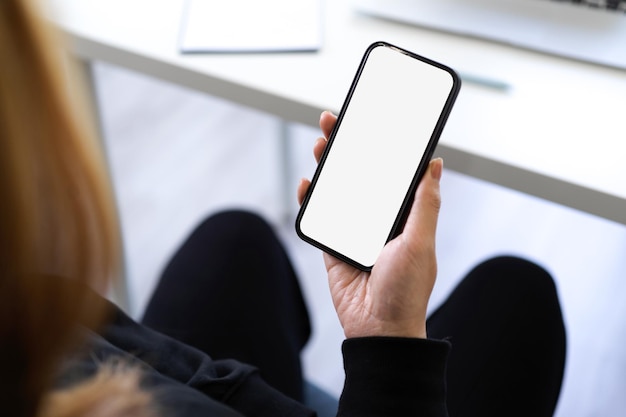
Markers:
<point>484,81</point>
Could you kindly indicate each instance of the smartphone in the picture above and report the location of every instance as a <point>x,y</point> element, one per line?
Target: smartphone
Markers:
<point>381,145</point>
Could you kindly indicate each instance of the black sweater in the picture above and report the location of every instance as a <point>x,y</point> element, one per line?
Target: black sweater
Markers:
<point>385,377</point>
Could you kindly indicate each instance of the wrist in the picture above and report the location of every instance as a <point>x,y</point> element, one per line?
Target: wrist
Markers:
<point>386,330</point>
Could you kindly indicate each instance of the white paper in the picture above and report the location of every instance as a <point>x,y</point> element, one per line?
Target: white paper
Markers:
<point>251,26</point>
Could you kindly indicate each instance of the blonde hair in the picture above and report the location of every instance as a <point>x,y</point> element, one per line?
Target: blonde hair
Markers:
<point>57,214</point>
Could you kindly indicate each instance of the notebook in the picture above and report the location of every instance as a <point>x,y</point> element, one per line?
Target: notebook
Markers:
<point>251,26</point>
<point>588,30</point>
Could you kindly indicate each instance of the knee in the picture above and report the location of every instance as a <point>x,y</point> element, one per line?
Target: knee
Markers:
<point>235,226</point>
<point>237,217</point>
<point>522,285</point>
<point>514,275</point>
<point>514,283</point>
<point>514,313</point>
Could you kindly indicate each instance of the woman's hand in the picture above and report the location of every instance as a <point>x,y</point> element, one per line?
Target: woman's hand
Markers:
<point>391,300</point>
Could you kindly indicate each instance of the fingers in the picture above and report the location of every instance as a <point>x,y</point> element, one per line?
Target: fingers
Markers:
<point>327,123</point>
<point>422,222</point>
<point>302,189</point>
<point>318,148</point>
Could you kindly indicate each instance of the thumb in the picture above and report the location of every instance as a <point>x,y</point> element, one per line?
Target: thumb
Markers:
<point>421,223</point>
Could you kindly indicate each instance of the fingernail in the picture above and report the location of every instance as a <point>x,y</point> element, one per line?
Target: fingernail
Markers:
<point>330,113</point>
<point>436,170</point>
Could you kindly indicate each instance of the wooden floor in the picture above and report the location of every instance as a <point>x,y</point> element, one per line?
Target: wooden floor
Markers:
<point>177,156</point>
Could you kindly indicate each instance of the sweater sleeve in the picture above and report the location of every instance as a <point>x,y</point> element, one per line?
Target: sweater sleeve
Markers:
<point>394,377</point>
<point>178,373</point>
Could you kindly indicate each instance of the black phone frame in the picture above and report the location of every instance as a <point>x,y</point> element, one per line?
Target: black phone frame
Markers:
<point>403,212</point>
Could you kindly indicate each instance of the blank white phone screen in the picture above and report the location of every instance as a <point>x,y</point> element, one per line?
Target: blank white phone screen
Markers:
<point>378,146</point>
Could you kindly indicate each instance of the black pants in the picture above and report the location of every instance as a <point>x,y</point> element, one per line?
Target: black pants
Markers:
<point>231,291</point>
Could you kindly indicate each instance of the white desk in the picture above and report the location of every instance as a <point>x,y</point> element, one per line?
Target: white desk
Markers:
<point>559,133</point>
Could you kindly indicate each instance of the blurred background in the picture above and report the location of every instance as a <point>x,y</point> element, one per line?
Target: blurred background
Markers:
<point>178,156</point>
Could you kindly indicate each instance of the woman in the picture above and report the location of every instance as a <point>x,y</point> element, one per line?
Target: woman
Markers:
<point>229,292</point>
<point>57,218</point>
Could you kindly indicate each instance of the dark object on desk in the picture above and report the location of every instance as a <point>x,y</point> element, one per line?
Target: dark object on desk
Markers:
<point>586,30</point>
